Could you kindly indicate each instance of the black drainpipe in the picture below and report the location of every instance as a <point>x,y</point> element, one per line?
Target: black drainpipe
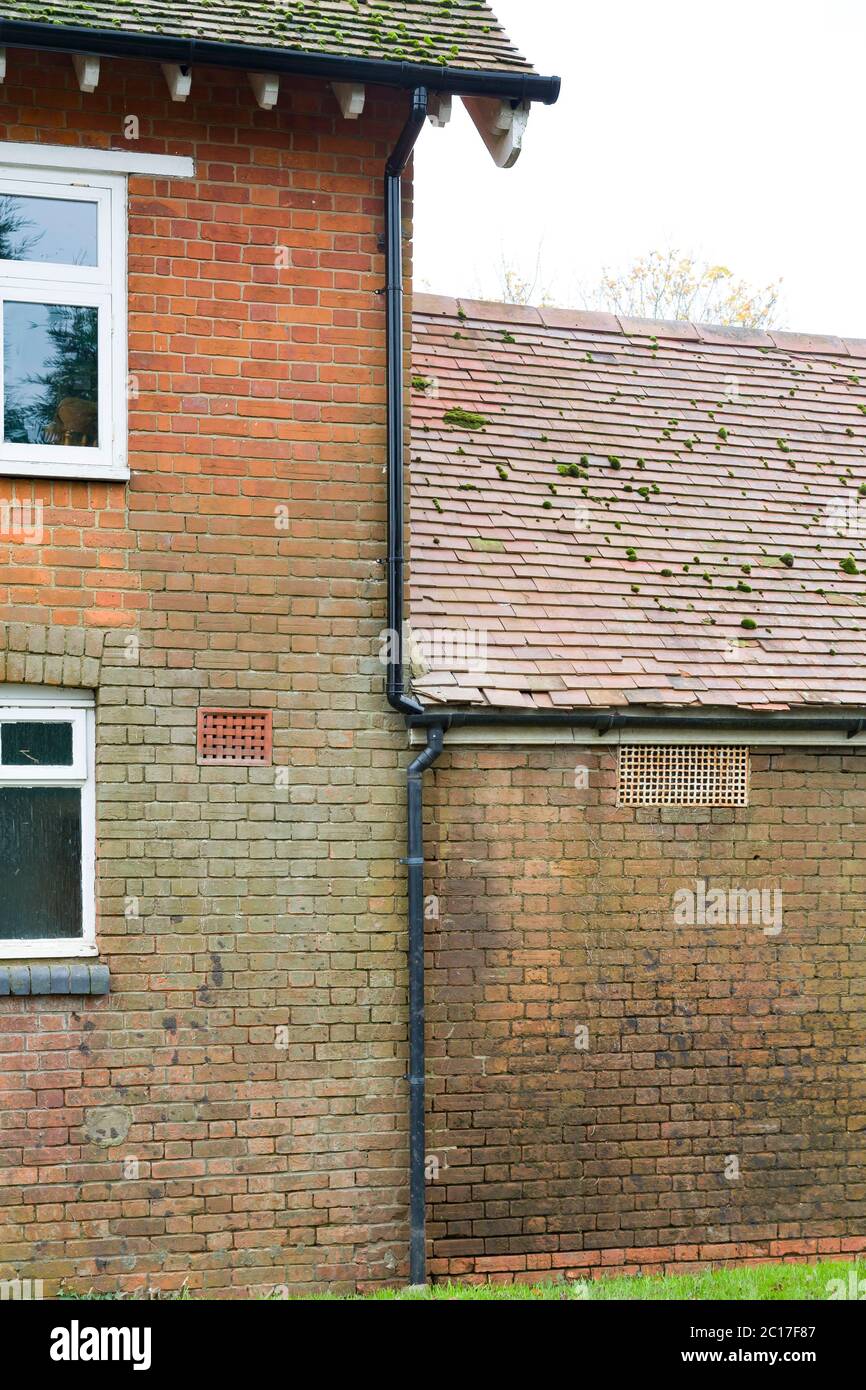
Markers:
<point>395,684</point>
<point>396,678</point>
<point>417,1130</point>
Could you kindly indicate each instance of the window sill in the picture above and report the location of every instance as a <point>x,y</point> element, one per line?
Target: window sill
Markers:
<point>86,472</point>
<point>78,978</point>
<point>62,948</point>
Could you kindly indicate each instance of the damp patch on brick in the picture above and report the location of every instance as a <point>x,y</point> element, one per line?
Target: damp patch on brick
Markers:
<point>79,978</point>
<point>107,1124</point>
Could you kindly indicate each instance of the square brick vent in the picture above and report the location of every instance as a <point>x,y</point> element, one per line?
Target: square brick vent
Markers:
<point>687,775</point>
<point>235,737</point>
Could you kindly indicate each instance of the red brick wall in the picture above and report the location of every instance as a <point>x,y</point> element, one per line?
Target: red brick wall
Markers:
<point>555,912</point>
<point>263,904</point>
<point>269,904</point>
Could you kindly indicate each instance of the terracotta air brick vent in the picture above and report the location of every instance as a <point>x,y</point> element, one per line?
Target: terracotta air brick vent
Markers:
<point>235,737</point>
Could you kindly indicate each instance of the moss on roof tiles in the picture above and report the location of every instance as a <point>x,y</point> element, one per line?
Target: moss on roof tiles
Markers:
<point>461,33</point>
<point>633,580</point>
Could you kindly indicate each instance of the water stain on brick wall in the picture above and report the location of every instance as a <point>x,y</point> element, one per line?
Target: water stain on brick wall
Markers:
<point>610,1088</point>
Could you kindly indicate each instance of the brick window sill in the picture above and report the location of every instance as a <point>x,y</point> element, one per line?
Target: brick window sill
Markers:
<point>76,978</point>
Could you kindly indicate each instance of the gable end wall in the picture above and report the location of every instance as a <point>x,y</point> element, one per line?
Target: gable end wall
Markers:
<point>233,1114</point>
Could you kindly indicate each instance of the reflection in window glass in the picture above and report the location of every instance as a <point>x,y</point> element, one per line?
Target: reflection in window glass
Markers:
<point>45,744</point>
<point>50,374</point>
<point>40,862</point>
<point>55,231</point>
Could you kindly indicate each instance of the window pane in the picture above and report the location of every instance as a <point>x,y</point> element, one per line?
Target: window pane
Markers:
<point>55,231</point>
<point>50,374</point>
<point>40,862</point>
<point>36,745</point>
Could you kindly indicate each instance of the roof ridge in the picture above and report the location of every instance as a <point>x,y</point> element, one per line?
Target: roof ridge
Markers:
<point>600,321</point>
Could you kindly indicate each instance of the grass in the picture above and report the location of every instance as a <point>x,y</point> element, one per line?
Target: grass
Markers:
<point>763,1283</point>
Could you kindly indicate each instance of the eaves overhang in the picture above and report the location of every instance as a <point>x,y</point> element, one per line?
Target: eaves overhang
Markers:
<point>519,87</point>
<point>828,726</point>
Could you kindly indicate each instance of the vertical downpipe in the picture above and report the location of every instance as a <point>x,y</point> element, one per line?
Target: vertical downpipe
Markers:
<point>415,865</point>
<point>396,677</point>
<point>394,169</point>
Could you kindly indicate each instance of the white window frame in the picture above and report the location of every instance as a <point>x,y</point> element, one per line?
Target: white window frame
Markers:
<point>75,708</point>
<point>103,286</point>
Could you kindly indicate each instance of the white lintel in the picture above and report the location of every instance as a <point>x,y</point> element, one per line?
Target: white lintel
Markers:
<point>178,79</point>
<point>80,159</point>
<point>501,125</point>
<point>439,108</point>
<point>351,96</point>
<point>86,70</point>
<point>266,86</point>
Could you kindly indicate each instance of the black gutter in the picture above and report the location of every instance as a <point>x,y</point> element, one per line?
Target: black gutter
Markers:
<point>417,1068</point>
<point>395,683</point>
<point>168,48</point>
<point>610,721</point>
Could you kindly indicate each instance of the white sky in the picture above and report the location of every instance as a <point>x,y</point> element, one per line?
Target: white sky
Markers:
<point>732,130</point>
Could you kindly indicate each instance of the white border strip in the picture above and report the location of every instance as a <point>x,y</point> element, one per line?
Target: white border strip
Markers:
<point>91,161</point>
<point>523,736</point>
<point>59,695</point>
<point>69,948</point>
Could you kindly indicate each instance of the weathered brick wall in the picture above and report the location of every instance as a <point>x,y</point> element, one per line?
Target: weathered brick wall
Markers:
<point>262,905</point>
<point>704,1042</point>
<point>268,903</point>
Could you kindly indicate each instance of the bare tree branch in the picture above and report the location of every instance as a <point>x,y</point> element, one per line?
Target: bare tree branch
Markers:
<point>673,285</point>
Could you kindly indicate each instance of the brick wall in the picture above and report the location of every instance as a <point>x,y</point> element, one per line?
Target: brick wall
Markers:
<point>703,1042</point>
<point>269,903</point>
<point>262,904</point>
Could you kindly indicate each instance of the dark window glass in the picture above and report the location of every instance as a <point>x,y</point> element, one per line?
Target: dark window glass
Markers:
<point>55,231</point>
<point>40,862</point>
<point>36,745</point>
<point>50,374</point>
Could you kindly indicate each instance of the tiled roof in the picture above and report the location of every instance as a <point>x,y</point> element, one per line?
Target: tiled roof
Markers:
<point>635,513</point>
<point>460,33</point>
